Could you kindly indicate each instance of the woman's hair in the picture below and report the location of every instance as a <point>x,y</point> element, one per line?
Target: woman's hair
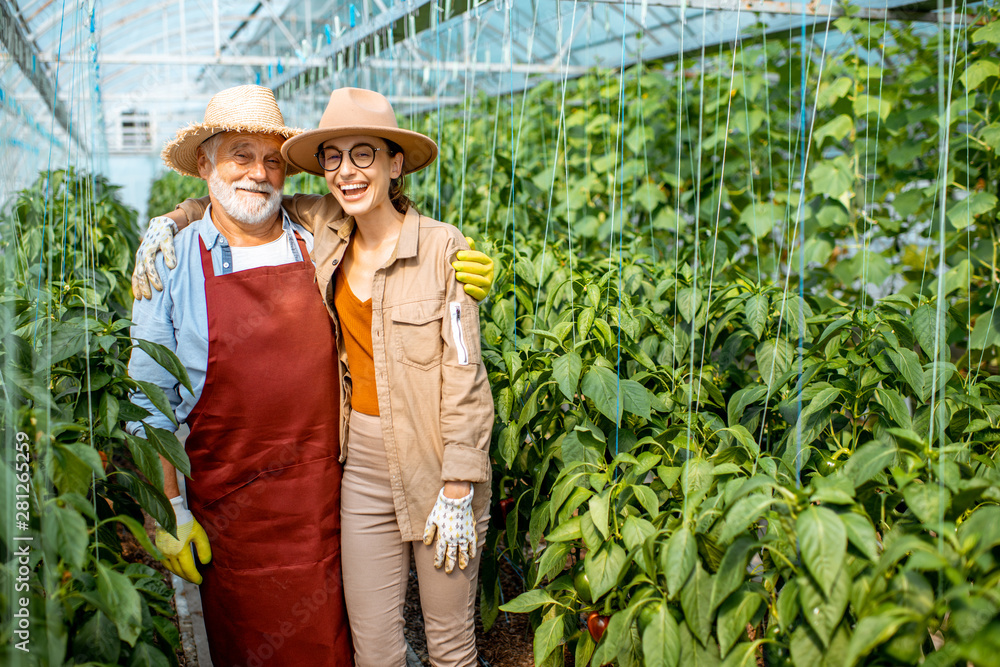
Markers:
<point>397,186</point>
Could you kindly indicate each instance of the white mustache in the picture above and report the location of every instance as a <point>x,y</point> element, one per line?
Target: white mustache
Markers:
<point>253,187</point>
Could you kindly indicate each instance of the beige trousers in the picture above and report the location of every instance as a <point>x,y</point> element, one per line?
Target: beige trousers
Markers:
<point>376,565</point>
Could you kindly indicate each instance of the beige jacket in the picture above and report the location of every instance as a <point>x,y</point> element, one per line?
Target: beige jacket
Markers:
<point>434,397</point>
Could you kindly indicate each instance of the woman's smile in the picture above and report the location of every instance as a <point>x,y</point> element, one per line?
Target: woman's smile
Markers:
<point>353,191</point>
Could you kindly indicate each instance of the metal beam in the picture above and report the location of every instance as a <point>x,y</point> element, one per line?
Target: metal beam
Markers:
<point>809,9</point>
<point>13,34</point>
<point>354,35</point>
<point>174,59</point>
<point>456,66</point>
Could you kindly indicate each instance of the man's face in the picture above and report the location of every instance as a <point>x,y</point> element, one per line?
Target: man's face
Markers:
<point>247,177</point>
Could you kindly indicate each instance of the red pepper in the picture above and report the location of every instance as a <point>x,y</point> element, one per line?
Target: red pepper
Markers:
<point>506,505</point>
<point>597,623</point>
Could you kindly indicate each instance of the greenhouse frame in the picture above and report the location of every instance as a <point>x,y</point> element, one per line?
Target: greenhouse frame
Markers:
<point>741,325</point>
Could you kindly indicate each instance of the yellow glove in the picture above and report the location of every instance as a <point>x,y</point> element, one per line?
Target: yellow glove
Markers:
<point>475,269</point>
<point>177,550</point>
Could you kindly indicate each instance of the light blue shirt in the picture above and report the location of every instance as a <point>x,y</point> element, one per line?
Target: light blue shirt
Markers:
<point>177,317</point>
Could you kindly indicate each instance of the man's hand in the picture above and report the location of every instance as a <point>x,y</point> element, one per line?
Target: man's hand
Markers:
<point>159,238</point>
<point>475,269</point>
<point>455,526</point>
<point>177,550</point>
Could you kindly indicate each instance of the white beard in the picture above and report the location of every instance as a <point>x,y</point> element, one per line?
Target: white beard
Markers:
<point>247,209</point>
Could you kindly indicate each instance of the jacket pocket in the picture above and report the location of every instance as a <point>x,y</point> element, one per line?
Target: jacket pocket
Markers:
<point>417,333</point>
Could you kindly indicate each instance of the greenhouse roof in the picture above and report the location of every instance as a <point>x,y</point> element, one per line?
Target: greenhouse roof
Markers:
<point>122,76</point>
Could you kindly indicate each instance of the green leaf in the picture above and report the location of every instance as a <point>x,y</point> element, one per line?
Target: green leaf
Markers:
<point>869,460</point>
<point>638,399</point>
<point>908,364</point>
<point>146,655</point>
<point>122,602</point>
<point>928,502</point>
<point>788,604</point>
<point>661,642</point>
<point>696,599</point>
<point>688,302</point>
<point>761,217</point>
<point>108,411</point>
<point>601,386</point>
<point>566,370</point>
<point>989,32</point>
<point>981,531</point>
<point>837,129</point>
<point>150,499</point>
<point>823,612</point>
<point>978,72</point>
<point>97,639</point>
<point>167,445</point>
<point>756,308</point>
<point>509,444</point>
<point>819,402</point>
<point>861,533</point>
<point>986,333</point>
<point>604,568</point>
<point>528,601</point>
<point>139,532</point>
<point>599,514</point>
<point>553,561</point>
<point>869,104</point>
<point>69,531</point>
<point>146,459</point>
<point>774,357</point>
<point>823,540</point>
<point>743,514</point>
<point>584,649</point>
<point>168,360</point>
<point>805,647</point>
<point>678,558</point>
<point>732,571</point>
<point>923,322</point>
<point>734,614</point>
<point>963,213</point>
<point>696,477</point>
<point>741,399</point>
<point>647,498</point>
<point>870,632</point>
<point>158,398</point>
<point>618,631</point>
<point>831,92</point>
<point>75,466</point>
<point>894,404</point>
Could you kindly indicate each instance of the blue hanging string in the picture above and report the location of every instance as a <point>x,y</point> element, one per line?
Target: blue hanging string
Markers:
<point>48,169</point>
<point>802,267</point>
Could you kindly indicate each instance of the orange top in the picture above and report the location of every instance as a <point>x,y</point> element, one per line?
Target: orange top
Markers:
<point>356,328</point>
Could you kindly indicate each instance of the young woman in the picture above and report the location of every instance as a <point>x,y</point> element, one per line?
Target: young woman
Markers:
<point>416,409</point>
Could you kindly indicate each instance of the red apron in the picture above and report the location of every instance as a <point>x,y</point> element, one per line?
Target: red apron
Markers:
<point>265,480</point>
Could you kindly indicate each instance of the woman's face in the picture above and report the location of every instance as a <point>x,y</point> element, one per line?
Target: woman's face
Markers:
<point>361,190</point>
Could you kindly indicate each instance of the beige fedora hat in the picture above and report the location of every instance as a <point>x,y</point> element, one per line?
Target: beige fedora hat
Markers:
<point>250,109</point>
<point>357,111</point>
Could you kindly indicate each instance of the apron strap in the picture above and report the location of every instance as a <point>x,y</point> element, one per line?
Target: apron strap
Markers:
<point>206,260</point>
<point>302,249</point>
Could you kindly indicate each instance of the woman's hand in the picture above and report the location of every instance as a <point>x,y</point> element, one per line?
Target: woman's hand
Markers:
<point>475,269</point>
<point>455,526</point>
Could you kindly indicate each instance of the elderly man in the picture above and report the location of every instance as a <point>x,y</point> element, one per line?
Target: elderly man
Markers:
<point>241,312</point>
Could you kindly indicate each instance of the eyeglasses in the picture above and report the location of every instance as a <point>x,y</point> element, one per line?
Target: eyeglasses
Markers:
<point>330,158</point>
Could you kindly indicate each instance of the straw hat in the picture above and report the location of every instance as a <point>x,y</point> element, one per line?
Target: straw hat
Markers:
<point>250,109</point>
<point>356,111</point>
